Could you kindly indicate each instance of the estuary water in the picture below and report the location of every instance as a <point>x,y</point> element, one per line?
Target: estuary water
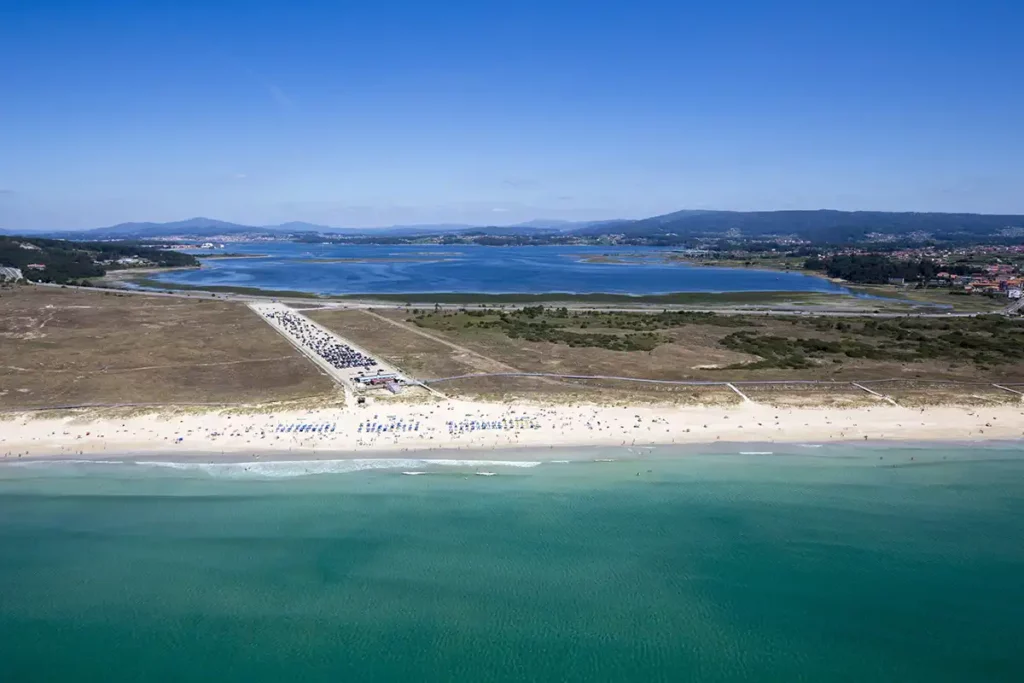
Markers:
<point>832,563</point>
<point>348,269</point>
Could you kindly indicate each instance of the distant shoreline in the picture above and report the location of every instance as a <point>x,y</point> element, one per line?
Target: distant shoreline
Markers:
<point>226,257</point>
<point>674,298</point>
<point>370,259</point>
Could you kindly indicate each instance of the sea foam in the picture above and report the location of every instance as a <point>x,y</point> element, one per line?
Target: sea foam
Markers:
<point>50,462</point>
<point>301,468</point>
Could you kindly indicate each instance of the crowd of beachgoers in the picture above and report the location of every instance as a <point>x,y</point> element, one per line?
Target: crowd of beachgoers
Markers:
<point>456,425</point>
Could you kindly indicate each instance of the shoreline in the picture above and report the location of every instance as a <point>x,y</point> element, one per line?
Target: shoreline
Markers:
<point>224,257</point>
<point>517,456</point>
<point>473,429</point>
<point>746,298</point>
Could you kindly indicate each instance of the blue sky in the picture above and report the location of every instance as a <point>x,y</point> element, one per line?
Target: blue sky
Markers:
<point>385,112</point>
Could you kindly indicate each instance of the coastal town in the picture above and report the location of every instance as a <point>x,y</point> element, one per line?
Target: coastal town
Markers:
<point>996,269</point>
<point>993,270</point>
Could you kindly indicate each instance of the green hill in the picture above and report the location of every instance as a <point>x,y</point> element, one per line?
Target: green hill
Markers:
<point>60,261</point>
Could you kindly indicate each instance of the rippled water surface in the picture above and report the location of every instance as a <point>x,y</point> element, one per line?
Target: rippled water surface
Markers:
<point>341,269</point>
<point>820,564</point>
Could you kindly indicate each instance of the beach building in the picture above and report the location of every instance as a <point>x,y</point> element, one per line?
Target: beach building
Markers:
<point>382,379</point>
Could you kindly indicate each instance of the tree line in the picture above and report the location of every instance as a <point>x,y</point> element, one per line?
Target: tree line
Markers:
<point>879,269</point>
<point>64,262</point>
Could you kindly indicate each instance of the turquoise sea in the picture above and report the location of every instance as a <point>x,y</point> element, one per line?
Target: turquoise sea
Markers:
<point>837,563</point>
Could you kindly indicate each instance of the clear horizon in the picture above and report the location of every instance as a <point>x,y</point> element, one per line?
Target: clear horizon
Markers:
<point>399,113</point>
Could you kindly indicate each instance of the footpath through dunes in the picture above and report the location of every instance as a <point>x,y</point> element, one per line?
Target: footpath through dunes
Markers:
<point>667,355</point>
<point>491,363</point>
<point>417,351</point>
<point>421,354</point>
<point>69,347</point>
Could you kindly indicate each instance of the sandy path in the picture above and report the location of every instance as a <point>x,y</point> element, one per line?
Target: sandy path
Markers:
<point>493,365</point>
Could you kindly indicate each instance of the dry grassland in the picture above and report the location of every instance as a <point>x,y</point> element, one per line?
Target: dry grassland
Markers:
<point>66,347</point>
<point>694,354</point>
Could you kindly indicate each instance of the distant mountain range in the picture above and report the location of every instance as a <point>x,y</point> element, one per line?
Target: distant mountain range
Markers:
<point>821,225</point>
<point>205,227</point>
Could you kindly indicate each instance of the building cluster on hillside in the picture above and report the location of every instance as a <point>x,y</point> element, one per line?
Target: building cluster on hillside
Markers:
<point>778,242</point>
<point>997,269</point>
<point>999,280</point>
<point>885,237</point>
<point>949,255</point>
<point>194,245</point>
<point>187,241</point>
<point>127,262</point>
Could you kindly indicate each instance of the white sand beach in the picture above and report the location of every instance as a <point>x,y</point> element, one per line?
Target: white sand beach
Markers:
<point>382,431</point>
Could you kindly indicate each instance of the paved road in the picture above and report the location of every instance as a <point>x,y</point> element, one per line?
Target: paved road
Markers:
<point>345,377</point>
<point>341,377</point>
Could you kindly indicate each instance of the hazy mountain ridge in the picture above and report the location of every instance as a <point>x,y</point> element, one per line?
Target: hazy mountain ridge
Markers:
<point>820,225</point>
<point>824,224</point>
<point>201,227</point>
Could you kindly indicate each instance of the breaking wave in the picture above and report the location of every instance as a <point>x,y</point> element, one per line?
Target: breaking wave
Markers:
<point>302,468</point>
<point>50,462</point>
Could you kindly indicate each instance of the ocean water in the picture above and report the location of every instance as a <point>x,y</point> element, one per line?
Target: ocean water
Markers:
<point>490,270</point>
<point>836,563</point>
